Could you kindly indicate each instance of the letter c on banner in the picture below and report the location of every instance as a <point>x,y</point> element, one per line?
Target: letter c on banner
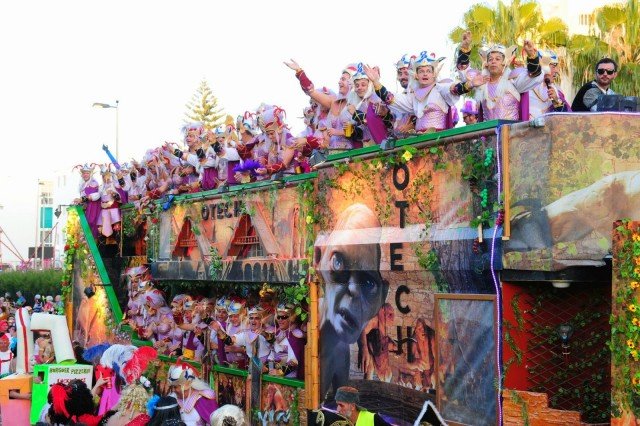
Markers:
<point>403,289</point>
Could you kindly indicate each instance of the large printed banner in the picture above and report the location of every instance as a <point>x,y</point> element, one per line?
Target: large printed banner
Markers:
<point>569,181</point>
<point>395,232</point>
<point>256,235</point>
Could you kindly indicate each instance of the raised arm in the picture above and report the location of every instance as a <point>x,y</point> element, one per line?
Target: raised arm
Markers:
<point>307,86</point>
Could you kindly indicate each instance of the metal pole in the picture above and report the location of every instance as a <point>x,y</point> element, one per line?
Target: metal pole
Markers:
<point>117,131</point>
<point>35,244</point>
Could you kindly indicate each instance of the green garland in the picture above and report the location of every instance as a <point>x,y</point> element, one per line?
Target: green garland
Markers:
<point>478,169</point>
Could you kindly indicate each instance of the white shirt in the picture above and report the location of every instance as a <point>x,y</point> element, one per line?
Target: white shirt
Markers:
<point>5,362</point>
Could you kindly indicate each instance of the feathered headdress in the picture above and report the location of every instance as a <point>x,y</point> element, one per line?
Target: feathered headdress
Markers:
<point>256,310</point>
<point>235,308</point>
<point>195,127</point>
<point>353,97</point>
<point>247,122</point>
<point>85,167</point>
<point>272,118</point>
<point>404,62</point>
<point>509,53</point>
<point>426,59</point>
<point>285,308</point>
<point>60,396</point>
<point>116,356</point>
<point>94,353</point>
<point>134,368</point>
<point>180,372</point>
<point>248,166</point>
<point>547,57</point>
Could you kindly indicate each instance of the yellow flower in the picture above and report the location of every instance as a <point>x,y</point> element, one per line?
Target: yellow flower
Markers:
<point>636,237</point>
<point>634,284</point>
<point>634,354</point>
<point>407,156</point>
<point>309,219</point>
<point>635,381</point>
<point>635,321</point>
<point>631,307</point>
<point>631,344</point>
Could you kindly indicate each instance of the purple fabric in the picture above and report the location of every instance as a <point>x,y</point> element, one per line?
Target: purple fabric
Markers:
<point>248,165</point>
<point>92,211</point>
<point>375,124</point>
<point>297,345</point>
<point>231,165</point>
<point>451,121</point>
<point>190,344</point>
<point>124,196</point>
<point>566,107</point>
<point>524,106</point>
<point>222,355</point>
<point>205,406</point>
<point>209,177</point>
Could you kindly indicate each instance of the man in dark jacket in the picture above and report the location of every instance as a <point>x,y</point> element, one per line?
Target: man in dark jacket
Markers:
<point>587,97</point>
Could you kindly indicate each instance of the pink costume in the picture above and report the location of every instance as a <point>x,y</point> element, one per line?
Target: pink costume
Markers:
<point>198,401</point>
<point>501,100</point>
<point>373,126</point>
<point>110,203</point>
<point>430,104</point>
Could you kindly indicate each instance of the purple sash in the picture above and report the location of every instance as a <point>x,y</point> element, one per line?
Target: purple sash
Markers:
<point>92,211</point>
<point>376,125</point>
<point>209,177</point>
<point>124,196</point>
<point>231,179</point>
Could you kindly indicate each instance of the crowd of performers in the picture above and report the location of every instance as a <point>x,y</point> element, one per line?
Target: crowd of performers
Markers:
<point>227,331</point>
<point>122,396</point>
<point>362,112</point>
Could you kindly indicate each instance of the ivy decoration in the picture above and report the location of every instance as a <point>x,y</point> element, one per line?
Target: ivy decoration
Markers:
<point>625,324</point>
<point>216,263</point>
<point>130,218</point>
<point>478,169</point>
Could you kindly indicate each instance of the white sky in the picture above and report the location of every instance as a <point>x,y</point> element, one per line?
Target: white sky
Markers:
<point>58,57</point>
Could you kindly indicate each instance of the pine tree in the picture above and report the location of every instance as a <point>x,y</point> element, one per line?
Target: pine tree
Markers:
<point>203,107</point>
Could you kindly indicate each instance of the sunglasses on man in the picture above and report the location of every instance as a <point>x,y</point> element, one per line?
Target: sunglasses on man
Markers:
<point>601,71</point>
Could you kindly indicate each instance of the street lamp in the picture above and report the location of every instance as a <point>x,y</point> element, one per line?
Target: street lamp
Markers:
<point>35,245</point>
<point>103,105</point>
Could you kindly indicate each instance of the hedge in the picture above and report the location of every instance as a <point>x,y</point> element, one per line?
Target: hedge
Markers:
<point>45,283</point>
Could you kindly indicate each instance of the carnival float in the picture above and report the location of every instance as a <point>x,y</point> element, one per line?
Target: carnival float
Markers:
<point>472,267</point>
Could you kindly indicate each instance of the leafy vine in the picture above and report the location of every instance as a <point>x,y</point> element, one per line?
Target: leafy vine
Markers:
<point>625,323</point>
<point>215,267</point>
<point>478,169</point>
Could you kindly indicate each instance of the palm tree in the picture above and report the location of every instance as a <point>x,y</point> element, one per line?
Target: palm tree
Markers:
<point>511,24</point>
<point>619,38</point>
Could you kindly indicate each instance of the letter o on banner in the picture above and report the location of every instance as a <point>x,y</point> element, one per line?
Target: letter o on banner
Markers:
<point>400,185</point>
<point>204,212</point>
